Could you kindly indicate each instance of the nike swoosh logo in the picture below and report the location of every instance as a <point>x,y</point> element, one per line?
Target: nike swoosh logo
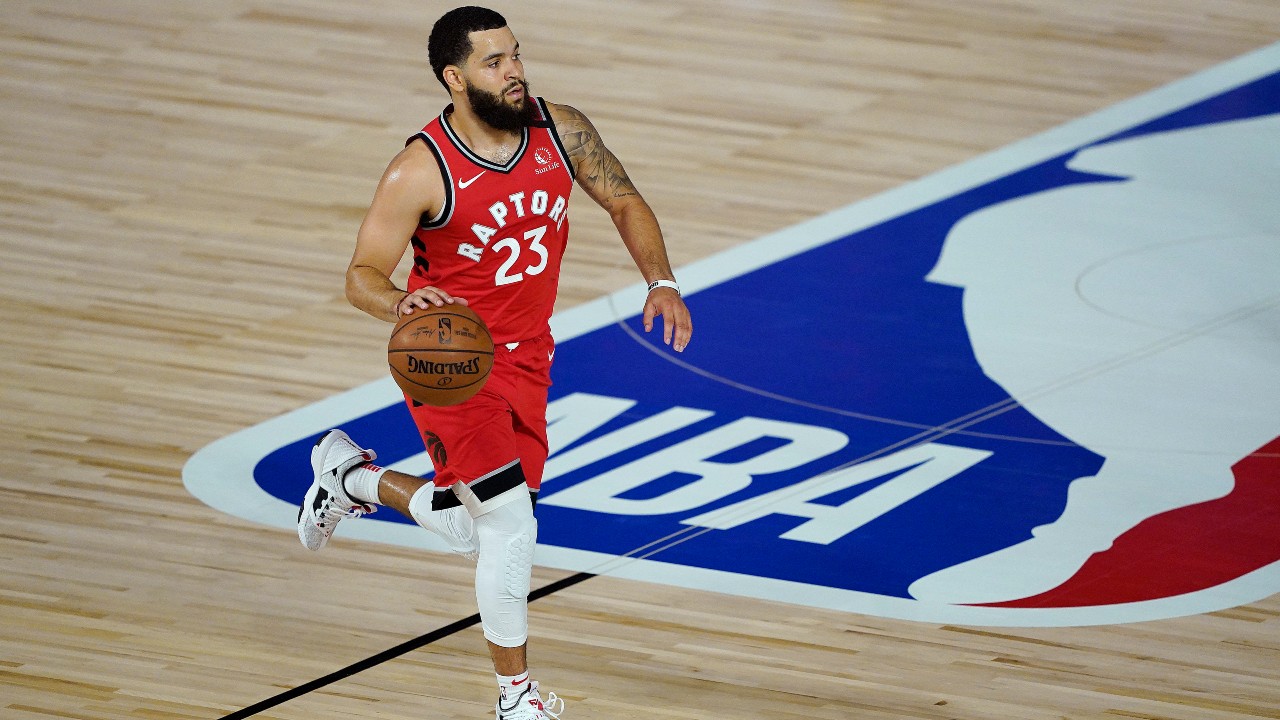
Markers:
<point>462,184</point>
<point>551,355</point>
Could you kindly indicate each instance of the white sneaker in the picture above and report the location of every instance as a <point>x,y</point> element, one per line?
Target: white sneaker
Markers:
<point>326,501</point>
<point>528,705</point>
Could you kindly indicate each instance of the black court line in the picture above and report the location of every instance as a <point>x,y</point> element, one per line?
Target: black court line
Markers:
<point>394,652</point>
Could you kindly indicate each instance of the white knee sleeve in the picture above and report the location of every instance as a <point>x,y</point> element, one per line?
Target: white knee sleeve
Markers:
<point>507,535</point>
<point>453,525</point>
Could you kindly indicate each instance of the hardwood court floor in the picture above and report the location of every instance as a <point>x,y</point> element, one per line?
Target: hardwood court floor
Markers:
<point>180,184</point>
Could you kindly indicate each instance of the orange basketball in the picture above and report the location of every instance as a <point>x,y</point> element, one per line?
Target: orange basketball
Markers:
<point>440,356</point>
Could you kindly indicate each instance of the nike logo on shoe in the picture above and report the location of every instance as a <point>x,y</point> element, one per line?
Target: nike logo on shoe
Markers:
<point>462,184</point>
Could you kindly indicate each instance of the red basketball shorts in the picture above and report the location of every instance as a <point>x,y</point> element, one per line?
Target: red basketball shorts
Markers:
<point>497,440</point>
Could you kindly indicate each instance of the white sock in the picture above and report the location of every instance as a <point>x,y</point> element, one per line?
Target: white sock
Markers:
<point>361,482</point>
<point>510,686</point>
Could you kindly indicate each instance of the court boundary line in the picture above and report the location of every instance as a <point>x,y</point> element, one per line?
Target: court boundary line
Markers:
<point>393,653</point>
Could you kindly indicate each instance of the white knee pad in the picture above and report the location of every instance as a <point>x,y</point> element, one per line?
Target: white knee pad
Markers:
<point>453,525</point>
<point>507,535</point>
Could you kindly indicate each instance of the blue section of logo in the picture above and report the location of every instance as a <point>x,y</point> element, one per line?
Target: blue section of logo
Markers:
<point>849,337</point>
<point>1251,100</point>
<point>851,326</point>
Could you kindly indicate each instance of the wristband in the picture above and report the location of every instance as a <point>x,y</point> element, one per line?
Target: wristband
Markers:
<point>664,283</point>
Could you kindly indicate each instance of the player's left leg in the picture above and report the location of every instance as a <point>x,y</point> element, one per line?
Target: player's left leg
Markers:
<point>507,533</point>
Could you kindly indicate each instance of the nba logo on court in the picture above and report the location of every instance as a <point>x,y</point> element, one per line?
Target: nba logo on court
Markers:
<point>1039,388</point>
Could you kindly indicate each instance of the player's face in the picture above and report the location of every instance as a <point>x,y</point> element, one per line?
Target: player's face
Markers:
<point>496,87</point>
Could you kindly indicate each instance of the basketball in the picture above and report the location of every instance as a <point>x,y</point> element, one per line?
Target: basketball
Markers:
<point>440,356</point>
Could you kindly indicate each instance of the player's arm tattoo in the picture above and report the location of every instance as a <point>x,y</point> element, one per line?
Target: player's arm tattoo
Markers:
<point>596,168</point>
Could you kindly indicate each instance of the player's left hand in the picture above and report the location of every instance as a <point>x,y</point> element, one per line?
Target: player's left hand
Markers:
<point>677,326</point>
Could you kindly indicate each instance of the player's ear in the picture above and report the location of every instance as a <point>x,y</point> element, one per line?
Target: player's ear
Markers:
<point>453,78</point>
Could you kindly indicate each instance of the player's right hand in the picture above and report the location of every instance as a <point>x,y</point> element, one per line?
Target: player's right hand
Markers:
<point>424,298</point>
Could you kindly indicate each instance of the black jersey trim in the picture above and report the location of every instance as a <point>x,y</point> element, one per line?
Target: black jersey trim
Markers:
<point>499,481</point>
<point>485,487</point>
<point>466,151</point>
<point>444,498</point>
<point>446,211</point>
<point>550,125</point>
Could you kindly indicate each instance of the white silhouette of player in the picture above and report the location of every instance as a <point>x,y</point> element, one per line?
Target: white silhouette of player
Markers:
<point>1141,320</point>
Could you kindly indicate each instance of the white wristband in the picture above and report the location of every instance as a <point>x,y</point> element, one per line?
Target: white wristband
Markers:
<point>664,283</point>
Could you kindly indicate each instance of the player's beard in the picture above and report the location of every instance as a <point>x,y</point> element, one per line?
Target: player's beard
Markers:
<point>499,114</point>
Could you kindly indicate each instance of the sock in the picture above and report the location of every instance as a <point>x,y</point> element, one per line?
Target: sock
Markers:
<point>510,686</point>
<point>361,482</point>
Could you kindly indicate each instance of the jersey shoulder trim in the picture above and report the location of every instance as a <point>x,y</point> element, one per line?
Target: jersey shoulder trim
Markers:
<point>550,125</point>
<point>446,208</point>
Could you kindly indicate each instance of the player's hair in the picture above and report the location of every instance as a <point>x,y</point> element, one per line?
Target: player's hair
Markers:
<point>450,43</point>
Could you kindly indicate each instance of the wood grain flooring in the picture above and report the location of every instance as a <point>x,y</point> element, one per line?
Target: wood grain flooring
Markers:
<point>180,185</point>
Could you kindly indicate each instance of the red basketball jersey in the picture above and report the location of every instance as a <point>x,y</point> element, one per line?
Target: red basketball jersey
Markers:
<point>499,238</point>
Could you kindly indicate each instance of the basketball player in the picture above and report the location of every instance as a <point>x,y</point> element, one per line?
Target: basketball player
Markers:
<point>482,194</point>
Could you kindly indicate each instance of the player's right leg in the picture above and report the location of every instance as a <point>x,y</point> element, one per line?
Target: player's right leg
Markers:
<point>346,484</point>
<point>326,501</point>
<point>453,525</point>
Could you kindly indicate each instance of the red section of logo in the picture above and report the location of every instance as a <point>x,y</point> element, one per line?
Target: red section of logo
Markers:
<point>1184,550</point>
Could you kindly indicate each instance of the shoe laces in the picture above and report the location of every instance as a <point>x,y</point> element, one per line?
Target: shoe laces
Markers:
<point>553,705</point>
<point>331,512</point>
<point>549,708</point>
